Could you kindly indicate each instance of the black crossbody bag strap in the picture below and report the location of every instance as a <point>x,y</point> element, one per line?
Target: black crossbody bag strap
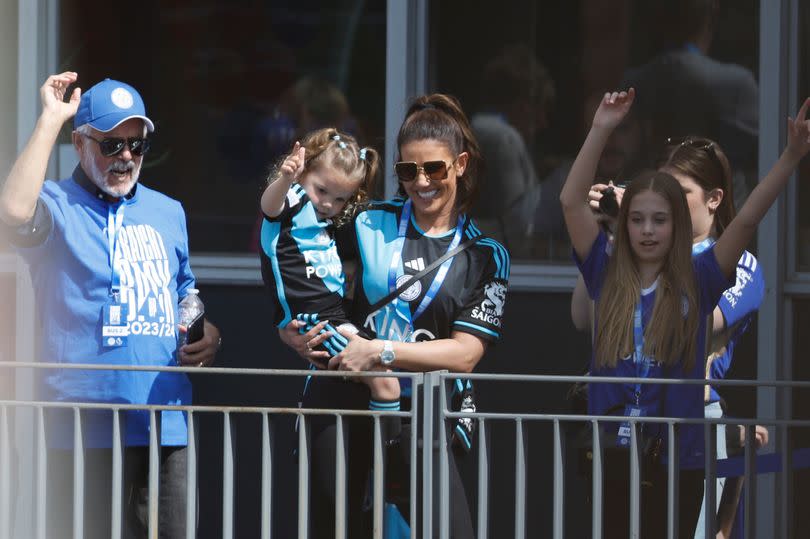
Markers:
<point>435,264</point>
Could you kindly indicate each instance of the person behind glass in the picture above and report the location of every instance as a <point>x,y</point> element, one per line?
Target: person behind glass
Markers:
<point>319,185</point>
<point>723,97</point>
<point>625,154</point>
<point>109,263</point>
<point>448,318</point>
<point>517,94</point>
<point>702,168</point>
<point>653,298</point>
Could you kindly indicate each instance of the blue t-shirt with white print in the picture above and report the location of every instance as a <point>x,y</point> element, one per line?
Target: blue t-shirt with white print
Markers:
<point>656,399</point>
<point>738,305</point>
<point>71,275</point>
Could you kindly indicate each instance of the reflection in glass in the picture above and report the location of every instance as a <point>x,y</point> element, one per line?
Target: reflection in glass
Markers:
<point>803,190</point>
<point>534,75</point>
<point>231,86</point>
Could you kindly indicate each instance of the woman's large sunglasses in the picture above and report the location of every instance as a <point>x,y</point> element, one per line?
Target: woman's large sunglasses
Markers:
<point>407,171</point>
<point>113,146</point>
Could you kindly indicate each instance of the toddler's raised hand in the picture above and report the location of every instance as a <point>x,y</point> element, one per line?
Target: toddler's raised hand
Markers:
<point>293,165</point>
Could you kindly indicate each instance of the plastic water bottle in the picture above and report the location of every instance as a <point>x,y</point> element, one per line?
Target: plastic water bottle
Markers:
<point>189,309</point>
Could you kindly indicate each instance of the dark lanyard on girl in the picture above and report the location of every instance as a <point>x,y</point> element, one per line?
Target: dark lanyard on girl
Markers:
<point>402,307</point>
<point>114,328</point>
<point>642,364</point>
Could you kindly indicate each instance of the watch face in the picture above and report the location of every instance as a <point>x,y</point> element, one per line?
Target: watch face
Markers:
<point>387,357</point>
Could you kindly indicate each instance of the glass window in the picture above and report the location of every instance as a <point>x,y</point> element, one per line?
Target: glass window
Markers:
<point>803,190</point>
<point>801,404</point>
<point>230,86</point>
<point>530,74</point>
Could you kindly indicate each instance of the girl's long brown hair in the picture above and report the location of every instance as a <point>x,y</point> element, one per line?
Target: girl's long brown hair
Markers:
<point>671,332</point>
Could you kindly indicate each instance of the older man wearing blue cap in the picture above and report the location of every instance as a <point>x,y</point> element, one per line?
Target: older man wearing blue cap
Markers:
<point>109,263</point>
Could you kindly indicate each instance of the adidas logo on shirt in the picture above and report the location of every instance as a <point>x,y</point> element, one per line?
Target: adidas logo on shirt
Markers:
<point>416,264</point>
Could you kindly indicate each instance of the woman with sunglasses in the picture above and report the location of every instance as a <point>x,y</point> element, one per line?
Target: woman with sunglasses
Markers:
<point>446,319</point>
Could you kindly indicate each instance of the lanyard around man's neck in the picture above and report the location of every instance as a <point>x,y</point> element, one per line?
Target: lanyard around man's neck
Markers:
<point>115,221</point>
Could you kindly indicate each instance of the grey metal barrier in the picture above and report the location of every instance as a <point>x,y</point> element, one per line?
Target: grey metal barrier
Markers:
<point>38,447</point>
<point>431,419</point>
<point>485,419</point>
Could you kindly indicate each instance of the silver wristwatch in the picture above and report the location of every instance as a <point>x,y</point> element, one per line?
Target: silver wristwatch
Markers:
<point>387,356</point>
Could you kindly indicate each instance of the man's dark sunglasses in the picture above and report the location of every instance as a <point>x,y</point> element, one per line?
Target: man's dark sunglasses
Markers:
<point>113,146</point>
<point>408,170</point>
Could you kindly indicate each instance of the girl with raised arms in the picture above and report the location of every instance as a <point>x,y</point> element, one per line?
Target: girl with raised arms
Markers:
<point>653,299</point>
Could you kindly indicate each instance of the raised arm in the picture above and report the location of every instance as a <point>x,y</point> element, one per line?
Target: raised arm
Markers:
<point>582,224</point>
<point>581,306</point>
<point>739,232</point>
<point>290,170</point>
<point>19,194</point>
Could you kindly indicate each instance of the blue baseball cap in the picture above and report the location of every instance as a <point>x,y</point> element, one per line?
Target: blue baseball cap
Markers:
<point>109,103</point>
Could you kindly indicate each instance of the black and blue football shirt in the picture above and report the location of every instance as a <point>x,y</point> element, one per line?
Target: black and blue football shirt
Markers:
<point>300,262</point>
<point>472,296</point>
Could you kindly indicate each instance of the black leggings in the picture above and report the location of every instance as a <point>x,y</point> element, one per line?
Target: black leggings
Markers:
<point>398,469</point>
<point>333,393</point>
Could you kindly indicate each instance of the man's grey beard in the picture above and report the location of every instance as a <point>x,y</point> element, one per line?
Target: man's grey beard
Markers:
<point>97,176</point>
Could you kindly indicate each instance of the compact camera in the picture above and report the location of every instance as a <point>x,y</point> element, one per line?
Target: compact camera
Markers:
<point>608,203</point>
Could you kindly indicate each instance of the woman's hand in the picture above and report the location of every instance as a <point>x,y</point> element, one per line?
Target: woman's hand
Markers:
<point>799,133</point>
<point>613,108</point>
<point>359,355</point>
<point>305,344</point>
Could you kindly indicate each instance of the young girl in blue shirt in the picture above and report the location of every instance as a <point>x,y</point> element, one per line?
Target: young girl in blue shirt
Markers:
<point>653,298</point>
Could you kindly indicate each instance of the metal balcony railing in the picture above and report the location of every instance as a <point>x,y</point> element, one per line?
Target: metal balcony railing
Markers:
<point>431,422</point>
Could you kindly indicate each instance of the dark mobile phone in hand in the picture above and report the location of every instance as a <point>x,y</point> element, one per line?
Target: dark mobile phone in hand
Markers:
<point>195,329</point>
